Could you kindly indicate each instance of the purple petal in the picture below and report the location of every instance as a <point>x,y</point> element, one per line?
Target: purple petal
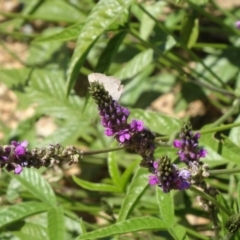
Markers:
<point>177,143</point>
<point>18,169</point>
<point>184,185</point>
<point>153,180</point>
<point>202,152</point>
<point>24,143</point>
<point>185,174</point>
<point>137,125</point>
<point>155,164</point>
<point>109,132</point>
<point>197,135</point>
<point>20,150</point>
<point>14,143</point>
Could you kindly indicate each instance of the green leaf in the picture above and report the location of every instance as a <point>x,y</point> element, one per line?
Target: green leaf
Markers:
<point>128,226</point>
<point>13,190</point>
<point>68,133</point>
<point>36,185</point>
<point>58,11</point>
<point>56,228</point>
<point>67,34</point>
<point>135,65</point>
<point>31,231</point>
<point>166,207</point>
<point>222,214</point>
<point>179,232</point>
<point>47,52</point>
<point>96,186</point>
<point>135,88</point>
<point>113,169</point>
<point>157,122</point>
<point>47,89</point>
<point>15,79</point>
<point>136,189</point>
<point>219,151</point>
<point>20,211</point>
<point>102,16</point>
<point>147,23</point>
<point>190,30</point>
<point>128,172</point>
<point>234,134</point>
<point>109,52</point>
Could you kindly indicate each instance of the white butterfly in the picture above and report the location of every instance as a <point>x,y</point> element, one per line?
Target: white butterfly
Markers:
<point>110,83</point>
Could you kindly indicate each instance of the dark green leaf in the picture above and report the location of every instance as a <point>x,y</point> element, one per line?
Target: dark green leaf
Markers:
<point>189,31</point>
<point>102,16</point>
<point>128,172</point>
<point>136,189</point>
<point>109,51</point>
<point>135,65</point>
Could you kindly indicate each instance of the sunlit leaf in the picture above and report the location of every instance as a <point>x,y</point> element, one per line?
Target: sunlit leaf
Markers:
<point>67,34</point>
<point>56,228</point>
<point>96,186</point>
<point>36,185</point>
<point>157,122</point>
<point>19,211</point>
<point>128,226</point>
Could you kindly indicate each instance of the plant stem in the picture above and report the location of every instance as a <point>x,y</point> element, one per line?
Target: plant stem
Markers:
<point>203,131</point>
<point>223,171</point>
<point>209,198</point>
<point>220,128</point>
<point>88,153</point>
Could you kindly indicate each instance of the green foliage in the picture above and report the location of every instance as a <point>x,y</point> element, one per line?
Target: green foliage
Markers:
<point>171,56</point>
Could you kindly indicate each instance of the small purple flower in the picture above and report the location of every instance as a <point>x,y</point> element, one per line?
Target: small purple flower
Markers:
<point>123,135</point>
<point>189,150</point>
<point>20,147</point>
<point>168,176</point>
<point>18,169</point>
<point>237,24</point>
<point>136,125</point>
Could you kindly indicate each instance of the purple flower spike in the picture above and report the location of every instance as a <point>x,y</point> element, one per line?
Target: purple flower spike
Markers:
<point>114,118</point>
<point>189,151</point>
<point>168,176</point>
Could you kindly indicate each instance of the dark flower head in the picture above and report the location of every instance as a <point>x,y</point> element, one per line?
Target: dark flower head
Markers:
<point>233,223</point>
<point>168,176</point>
<point>16,156</point>
<point>189,150</point>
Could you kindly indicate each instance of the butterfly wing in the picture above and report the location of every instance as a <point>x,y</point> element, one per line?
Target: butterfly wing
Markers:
<point>110,83</point>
